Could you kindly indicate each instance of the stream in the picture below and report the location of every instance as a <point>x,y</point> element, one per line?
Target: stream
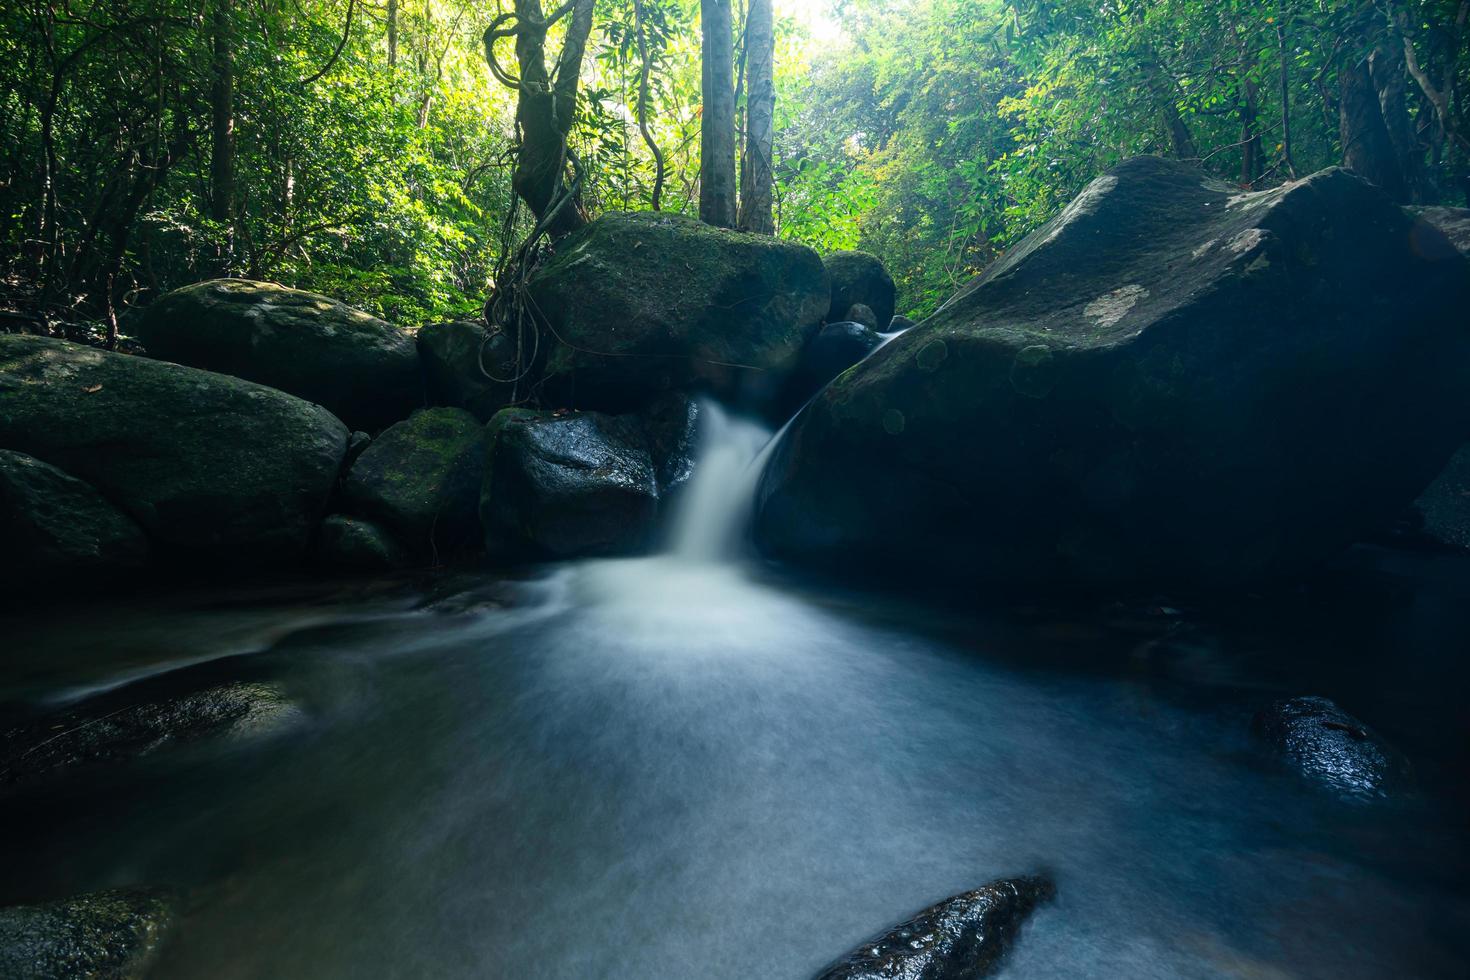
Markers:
<point>696,765</point>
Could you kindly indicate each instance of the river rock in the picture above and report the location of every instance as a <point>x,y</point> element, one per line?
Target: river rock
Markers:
<point>209,466</point>
<point>859,279</point>
<point>569,484</point>
<point>961,938</point>
<point>899,324</point>
<point>1331,748</point>
<point>109,935</point>
<point>352,544</point>
<point>862,315</point>
<point>1173,381</point>
<point>457,356</point>
<point>1453,223</point>
<point>835,349</point>
<point>138,720</point>
<point>53,525</point>
<point>639,304</point>
<point>363,370</point>
<point>421,481</point>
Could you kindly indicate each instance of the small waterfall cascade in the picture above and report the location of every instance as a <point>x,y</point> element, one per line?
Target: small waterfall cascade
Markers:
<point>719,500</point>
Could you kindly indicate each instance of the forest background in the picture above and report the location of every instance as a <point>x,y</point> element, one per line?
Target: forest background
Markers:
<point>363,149</point>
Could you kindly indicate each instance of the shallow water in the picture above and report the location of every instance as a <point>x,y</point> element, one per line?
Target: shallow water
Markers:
<point>660,768</point>
<point>695,766</point>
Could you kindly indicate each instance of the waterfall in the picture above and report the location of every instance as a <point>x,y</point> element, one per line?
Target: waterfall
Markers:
<point>719,500</point>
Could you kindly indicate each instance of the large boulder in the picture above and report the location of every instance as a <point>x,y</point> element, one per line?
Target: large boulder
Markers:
<point>109,935</point>
<point>467,367</point>
<point>963,937</point>
<point>859,279</point>
<point>1172,382</point>
<point>638,304</point>
<point>421,481</point>
<point>364,371</point>
<point>209,466</point>
<point>53,525</point>
<point>835,349</point>
<point>572,484</point>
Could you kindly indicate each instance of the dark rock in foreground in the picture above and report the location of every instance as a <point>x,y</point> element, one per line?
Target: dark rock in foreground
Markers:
<point>585,483</point>
<point>462,363</point>
<point>643,303</point>
<point>209,466</point>
<point>110,935</point>
<point>53,525</point>
<point>859,279</point>
<point>361,369</point>
<point>420,480</point>
<point>1171,382</point>
<point>110,729</point>
<point>961,938</point>
<point>1332,748</point>
<point>352,544</point>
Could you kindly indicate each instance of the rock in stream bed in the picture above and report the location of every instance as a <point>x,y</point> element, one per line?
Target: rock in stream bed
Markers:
<point>961,938</point>
<point>1331,748</point>
<point>108,935</point>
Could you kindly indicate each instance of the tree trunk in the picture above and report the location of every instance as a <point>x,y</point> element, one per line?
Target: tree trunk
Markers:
<point>757,190</point>
<point>717,193</point>
<point>392,33</point>
<point>1366,147</point>
<point>222,106</point>
<point>1386,67</point>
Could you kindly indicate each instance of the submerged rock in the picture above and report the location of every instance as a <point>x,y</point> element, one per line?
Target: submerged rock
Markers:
<point>559,485</point>
<point>961,938</point>
<point>420,480</point>
<point>53,525</point>
<point>638,304</point>
<point>361,369</point>
<point>209,466</point>
<point>115,727</point>
<point>457,356</point>
<point>859,279</point>
<point>1332,748</point>
<point>1172,381</point>
<point>109,935</point>
<point>352,544</point>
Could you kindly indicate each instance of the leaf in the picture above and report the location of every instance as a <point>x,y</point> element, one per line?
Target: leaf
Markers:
<point>92,389</point>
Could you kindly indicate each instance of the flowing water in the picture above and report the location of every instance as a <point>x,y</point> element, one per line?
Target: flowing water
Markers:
<point>694,766</point>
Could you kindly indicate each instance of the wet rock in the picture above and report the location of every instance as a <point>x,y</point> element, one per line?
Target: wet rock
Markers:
<point>123,725</point>
<point>420,480</point>
<point>1332,748</point>
<point>53,525</point>
<point>858,313</point>
<point>109,935</point>
<point>352,544</point>
<point>1172,382</point>
<point>1440,518</point>
<point>838,347</point>
<point>357,442</point>
<point>961,938</point>
<point>640,304</point>
<point>209,466</point>
<point>363,370</point>
<point>559,485</point>
<point>859,278</point>
<point>467,367</point>
<point>899,324</point>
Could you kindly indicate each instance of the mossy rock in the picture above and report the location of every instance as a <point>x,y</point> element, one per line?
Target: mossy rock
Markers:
<point>109,935</point>
<point>353,544</point>
<point>467,367</point>
<point>53,525</point>
<point>421,481</point>
<point>209,466</point>
<point>1173,382</point>
<point>636,304</point>
<point>360,368</point>
<point>859,279</point>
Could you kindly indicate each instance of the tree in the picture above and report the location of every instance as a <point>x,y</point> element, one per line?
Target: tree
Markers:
<point>546,108</point>
<point>757,177</point>
<point>222,113</point>
<point>717,192</point>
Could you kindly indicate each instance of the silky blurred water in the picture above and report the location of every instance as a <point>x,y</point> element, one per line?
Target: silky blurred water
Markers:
<point>675,767</point>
